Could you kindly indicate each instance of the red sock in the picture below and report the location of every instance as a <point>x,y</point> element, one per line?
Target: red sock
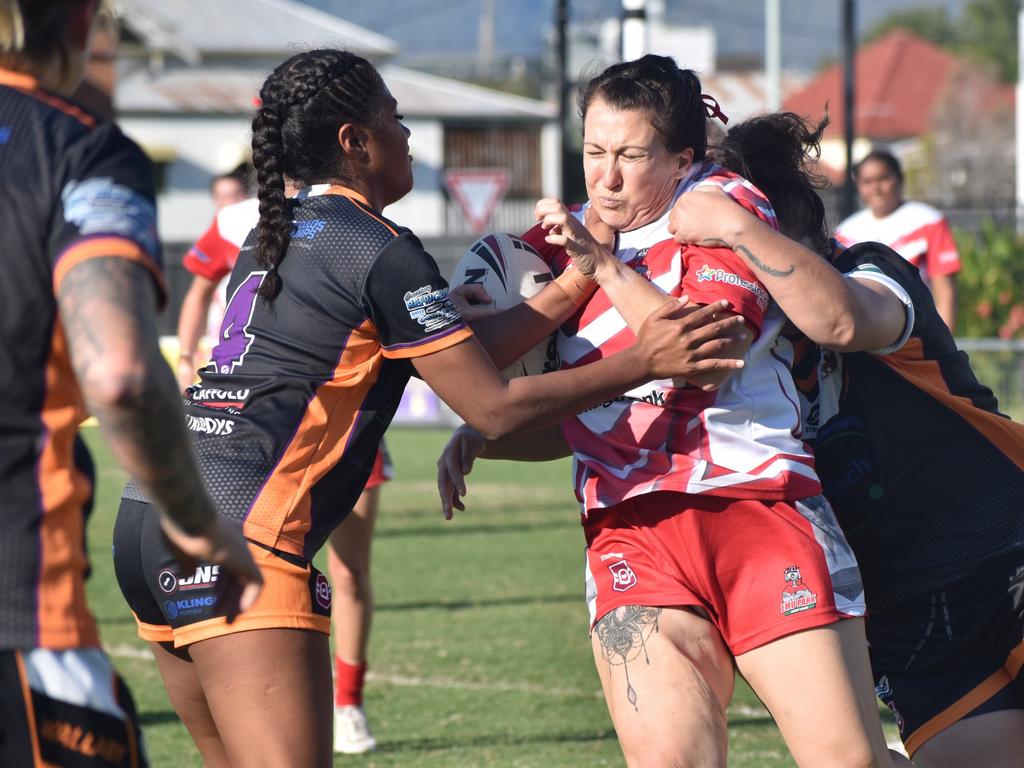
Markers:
<point>348,683</point>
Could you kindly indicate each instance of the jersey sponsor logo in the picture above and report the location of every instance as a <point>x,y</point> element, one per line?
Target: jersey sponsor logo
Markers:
<point>189,606</point>
<point>308,230</point>
<point>323,592</point>
<point>94,748</point>
<point>613,556</point>
<point>707,273</point>
<point>204,578</point>
<point>208,425</point>
<point>168,582</point>
<point>101,206</point>
<point>219,398</point>
<point>796,597</point>
<point>623,577</point>
<point>431,308</point>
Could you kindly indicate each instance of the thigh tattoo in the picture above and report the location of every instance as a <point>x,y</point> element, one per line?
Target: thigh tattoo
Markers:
<point>623,635</point>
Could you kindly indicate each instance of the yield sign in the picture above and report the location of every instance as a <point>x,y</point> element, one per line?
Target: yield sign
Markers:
<point>478,191</point>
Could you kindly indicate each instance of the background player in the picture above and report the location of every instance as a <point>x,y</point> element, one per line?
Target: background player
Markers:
<point>924,473</point>
<point>916,231</point>
<point>77,306</point>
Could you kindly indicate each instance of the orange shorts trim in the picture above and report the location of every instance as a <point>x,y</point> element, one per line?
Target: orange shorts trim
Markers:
<point>286,602</point>
<point>973,699</point>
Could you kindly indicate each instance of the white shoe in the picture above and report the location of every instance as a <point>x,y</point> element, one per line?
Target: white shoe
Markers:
<point>351,731</point>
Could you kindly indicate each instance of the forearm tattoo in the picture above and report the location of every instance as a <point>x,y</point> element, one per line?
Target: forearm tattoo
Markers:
<point>623,634</point>
<point>106,304</point>
<point>761,265</point>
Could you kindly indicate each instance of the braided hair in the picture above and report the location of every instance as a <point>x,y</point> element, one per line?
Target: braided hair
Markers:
<point>668,95</point>
<point>778,154</point>
<point>295,135</point>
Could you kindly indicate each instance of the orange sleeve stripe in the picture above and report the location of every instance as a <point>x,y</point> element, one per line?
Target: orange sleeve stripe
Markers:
<point>429,347</point>
<point>30,86</point>
<point>958,710</point>
<point>101,247</point>
<point>1004,434</point>
<point>280,515</point>
<point>30,712</point>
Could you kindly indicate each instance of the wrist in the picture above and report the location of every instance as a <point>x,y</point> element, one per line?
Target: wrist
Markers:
<point>575,285</point>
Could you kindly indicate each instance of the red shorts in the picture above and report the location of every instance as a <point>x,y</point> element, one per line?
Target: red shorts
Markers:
<point>382,468</point>
<point>761,570</point>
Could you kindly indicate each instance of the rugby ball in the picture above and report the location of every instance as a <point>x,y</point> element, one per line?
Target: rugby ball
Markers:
<point>511,271</point>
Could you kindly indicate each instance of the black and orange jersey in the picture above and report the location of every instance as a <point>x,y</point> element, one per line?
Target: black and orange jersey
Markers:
<point>288,415</point>
<point>925,475</point>
<point>71,188</point>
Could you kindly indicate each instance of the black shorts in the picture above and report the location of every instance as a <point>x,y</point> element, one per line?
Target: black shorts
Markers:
<point>953,654</point>
<point>66,708</point>
<point>174,606</point>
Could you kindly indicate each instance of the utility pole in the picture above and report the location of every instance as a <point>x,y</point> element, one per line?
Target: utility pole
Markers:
<point>485,47</point>
<point>849,45</point>
<point>634,29</point>
<point>1019,159</point>
<point>773,55</point>
<point>561,37</point>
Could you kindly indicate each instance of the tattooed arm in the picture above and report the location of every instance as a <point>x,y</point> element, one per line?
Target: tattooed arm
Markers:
<point>107,308</point>
<point>841,314</point>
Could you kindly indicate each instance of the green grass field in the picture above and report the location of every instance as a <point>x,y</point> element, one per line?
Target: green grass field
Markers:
<point>479,654</point>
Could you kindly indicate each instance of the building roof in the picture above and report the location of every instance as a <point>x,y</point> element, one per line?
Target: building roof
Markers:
<point>230,90</point>
<point>899,79</point>
<point>194,30</point>
<point>743,94</point>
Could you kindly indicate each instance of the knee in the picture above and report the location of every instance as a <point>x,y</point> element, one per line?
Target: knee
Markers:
<point>353,582</point>
<point>654,758</point>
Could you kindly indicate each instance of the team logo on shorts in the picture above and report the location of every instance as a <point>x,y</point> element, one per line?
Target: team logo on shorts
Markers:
<point>168,582</point>
<point>623,577</point>
<point>796,597</point>
<point>884,692</point>
<point>323,592</point>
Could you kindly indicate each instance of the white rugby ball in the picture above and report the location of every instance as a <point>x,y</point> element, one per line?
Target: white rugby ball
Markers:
<point>511,271</point>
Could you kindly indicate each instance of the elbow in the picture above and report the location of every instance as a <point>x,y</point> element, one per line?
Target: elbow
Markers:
<point>124,387</point>
<point>837,332</point>
<point>494,427</point>
<point>843,334</point>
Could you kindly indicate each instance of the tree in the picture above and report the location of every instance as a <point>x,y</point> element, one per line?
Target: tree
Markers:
<point>986,33</point>
<point>931,23</point>
<point>989,35</point>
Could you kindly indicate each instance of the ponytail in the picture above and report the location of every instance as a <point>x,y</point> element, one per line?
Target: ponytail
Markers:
<point>295,135</point>
<point>273,232</point>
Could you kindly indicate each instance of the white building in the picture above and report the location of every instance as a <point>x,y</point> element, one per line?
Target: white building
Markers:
<point>188,72</point>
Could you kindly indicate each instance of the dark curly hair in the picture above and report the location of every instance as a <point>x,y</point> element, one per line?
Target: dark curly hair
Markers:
<point>778,153</point>
<point>670,96</point>
<point>295,135</point>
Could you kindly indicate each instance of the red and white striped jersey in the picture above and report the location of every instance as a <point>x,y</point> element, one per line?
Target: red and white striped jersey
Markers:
<point>916,231</point>
<point>214,254</point>
<point>741,441</point>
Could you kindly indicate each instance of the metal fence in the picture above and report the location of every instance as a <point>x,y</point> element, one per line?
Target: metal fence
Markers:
<point>999,364</point>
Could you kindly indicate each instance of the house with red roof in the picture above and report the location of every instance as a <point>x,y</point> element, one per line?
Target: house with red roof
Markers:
<point>946,119</point>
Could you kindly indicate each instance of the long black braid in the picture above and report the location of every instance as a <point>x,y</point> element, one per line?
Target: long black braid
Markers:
<point>295,135</point>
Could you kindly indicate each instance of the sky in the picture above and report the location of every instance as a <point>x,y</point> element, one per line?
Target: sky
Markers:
<point>810,34</point>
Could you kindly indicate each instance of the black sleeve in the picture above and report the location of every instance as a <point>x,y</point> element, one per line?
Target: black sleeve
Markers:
<point>928,324</point>
<point>107,191</point>
<point>407,299</point>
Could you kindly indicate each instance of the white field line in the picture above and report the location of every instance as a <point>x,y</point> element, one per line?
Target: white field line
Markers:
<point>127,651</point>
